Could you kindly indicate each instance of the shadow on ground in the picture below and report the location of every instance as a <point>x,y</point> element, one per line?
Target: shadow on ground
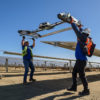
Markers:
<point>24,92</point>
<point>36,74</point>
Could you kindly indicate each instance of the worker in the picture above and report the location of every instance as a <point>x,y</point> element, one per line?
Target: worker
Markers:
<point>81,59</point>
<point>28,59</point>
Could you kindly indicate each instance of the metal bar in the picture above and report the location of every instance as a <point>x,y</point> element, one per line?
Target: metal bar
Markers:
<point>19,54</point>
<point>52,33</point>
<point>6,64</point>
<point>14,53</point>
<point>70,67</point>
<point>52,26</point>
<point>57,23</point>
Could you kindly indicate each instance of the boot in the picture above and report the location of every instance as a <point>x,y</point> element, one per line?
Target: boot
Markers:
<point>32,80</point>
<point>84,92</point>
<point>25,83</point>
<point>73,88</point>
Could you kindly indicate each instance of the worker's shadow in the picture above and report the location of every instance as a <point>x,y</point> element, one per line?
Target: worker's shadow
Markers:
<point>62,95</point>
<point>41,88</point>
<point>31,90</point>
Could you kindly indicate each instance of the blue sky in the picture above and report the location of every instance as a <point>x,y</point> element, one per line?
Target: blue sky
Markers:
<point>28,14</point>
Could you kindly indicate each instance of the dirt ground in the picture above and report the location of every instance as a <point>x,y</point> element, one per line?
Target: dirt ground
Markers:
<point>50,85</point>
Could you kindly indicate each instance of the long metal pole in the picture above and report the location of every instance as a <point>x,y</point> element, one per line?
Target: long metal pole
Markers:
<point>56,32</point>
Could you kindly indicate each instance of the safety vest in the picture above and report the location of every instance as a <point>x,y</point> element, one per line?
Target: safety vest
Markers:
<point>24,52</point>
<point>89,47</point>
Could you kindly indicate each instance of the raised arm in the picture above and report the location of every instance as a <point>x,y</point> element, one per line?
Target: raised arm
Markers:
<point>33,42</point>
<point>22,43</point>
<point>77,30</point>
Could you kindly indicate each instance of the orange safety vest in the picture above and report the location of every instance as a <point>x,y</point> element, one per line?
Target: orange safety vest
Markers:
<point>88,45</point>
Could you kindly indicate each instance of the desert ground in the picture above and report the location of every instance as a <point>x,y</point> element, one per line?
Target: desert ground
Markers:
<point>51,84</point>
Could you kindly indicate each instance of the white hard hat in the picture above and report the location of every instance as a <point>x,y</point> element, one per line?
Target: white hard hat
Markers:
<point>26,41</point>
<point>86,31</point>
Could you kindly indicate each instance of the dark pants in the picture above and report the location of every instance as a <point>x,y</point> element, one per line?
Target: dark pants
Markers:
<point>27,64</point>
<point>79,68</point>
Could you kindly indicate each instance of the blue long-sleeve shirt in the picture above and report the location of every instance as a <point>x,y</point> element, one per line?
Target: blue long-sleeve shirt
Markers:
<point>81,38</point>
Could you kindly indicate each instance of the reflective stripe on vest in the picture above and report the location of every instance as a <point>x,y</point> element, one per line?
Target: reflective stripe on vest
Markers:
<point>89,44</point>
<point>24,52</point>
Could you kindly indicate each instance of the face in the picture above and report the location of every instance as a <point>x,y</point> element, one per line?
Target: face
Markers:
<point>26,43</point>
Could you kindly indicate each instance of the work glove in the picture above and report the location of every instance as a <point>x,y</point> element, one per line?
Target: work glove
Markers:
<point>33,39</point>
<point>23,37</point>
<point>71,19</point>
<point>39,35</point>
